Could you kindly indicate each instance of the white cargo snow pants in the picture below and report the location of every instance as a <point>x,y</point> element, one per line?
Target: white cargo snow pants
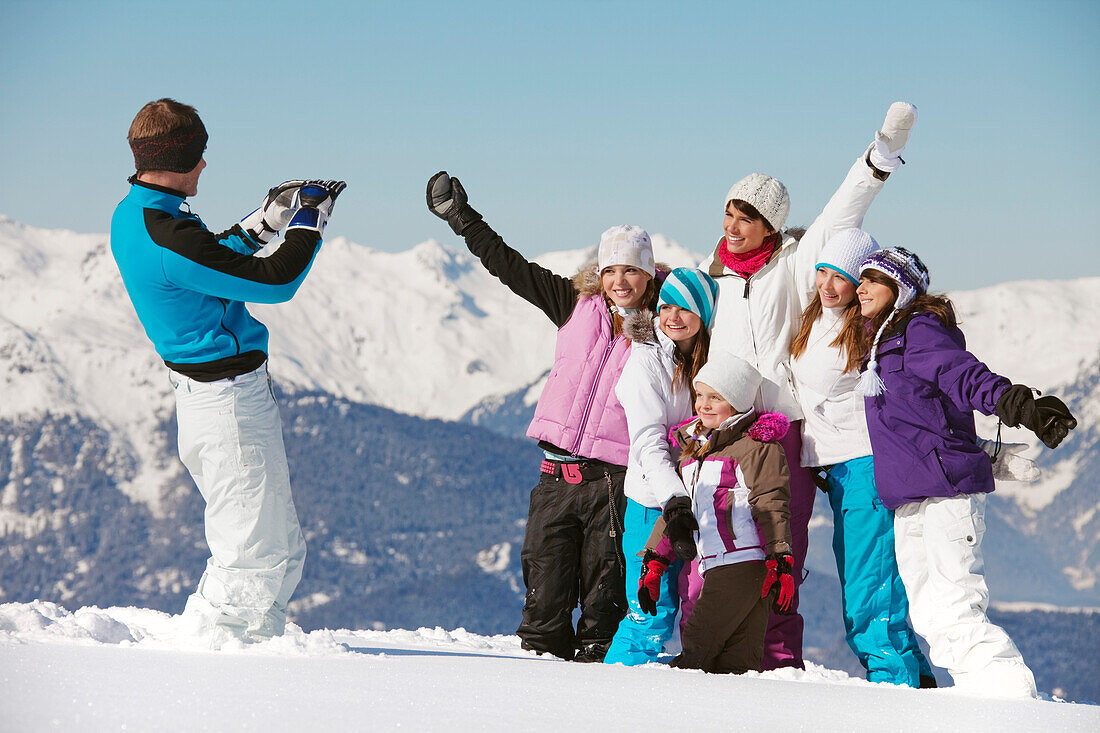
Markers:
<point>231,441</point>
<point>938,543</point>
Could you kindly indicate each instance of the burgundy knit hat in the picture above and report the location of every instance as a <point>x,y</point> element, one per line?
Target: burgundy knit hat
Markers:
<point>178,150</point>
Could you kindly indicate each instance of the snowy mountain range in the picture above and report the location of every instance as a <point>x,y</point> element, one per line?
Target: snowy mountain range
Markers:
<point>413,515</point>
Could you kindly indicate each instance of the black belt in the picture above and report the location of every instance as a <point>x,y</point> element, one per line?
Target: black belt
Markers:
<point>576,472</point>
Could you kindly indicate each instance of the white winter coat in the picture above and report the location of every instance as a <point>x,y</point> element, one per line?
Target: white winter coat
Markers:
<point>757,319</point>
<point>834,427</point>
<point>653,406</point>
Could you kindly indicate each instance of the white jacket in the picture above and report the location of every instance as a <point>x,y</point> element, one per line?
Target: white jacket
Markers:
<point>653,406</point>
<point>757,319</point>
<point>834,427</point>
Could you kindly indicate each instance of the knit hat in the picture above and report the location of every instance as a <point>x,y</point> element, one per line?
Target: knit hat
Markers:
<point>626,245</point>
<point>911,276</point>
<point>732,377</point>
<point>691,290</point>
<point>766,194</point>
<point>178,150</point>
<point>904,268</point>
<point>845,252</point>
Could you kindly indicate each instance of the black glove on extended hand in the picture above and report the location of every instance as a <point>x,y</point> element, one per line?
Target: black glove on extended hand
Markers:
<point>649,585</point>
<point>447,200</point>
<point>680,527</point>
<point>1047,417</point>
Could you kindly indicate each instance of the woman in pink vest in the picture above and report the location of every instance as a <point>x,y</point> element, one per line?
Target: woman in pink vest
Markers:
<point>572,544</point>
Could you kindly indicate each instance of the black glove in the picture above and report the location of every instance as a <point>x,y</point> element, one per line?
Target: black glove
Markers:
<point>680,527</point>
<point>447,200</point>
<point>649,585</point>
<point>1047,417</point>
<point>316,198</point>
<point>778,582</point>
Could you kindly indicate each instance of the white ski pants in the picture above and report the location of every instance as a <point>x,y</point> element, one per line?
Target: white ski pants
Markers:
<point>938,543</point>
<point>231,441</point>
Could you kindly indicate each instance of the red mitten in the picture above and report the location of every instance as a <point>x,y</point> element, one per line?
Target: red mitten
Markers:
<point>778,582</point>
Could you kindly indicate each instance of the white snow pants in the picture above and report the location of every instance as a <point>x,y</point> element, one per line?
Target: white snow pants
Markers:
<point>231,441</point>
<point>938,543</point>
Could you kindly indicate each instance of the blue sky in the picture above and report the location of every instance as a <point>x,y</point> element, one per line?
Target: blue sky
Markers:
<point>564,118</point>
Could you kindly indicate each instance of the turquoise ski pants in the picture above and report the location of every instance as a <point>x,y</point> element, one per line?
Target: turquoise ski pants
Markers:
<point>641,637</point>
<point>875,605</point>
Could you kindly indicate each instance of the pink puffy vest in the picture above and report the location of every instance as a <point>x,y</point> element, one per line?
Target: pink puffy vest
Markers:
<point>578,410</point>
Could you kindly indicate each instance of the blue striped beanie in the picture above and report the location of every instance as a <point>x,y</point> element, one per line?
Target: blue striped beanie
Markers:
<point>692,290</point>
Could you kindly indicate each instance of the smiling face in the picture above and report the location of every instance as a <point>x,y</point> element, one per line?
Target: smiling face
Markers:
<point>743,233</point>
<point>835,290</point>
<point>711,407</point>
<point>624,285</point>
<point>875,294</point>
<point>682,326</point>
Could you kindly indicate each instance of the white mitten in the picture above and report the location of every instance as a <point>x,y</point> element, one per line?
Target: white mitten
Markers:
<point>274,213</point>
<point>316,199</point>
<point>885,151</point>
<point>1010,464</point>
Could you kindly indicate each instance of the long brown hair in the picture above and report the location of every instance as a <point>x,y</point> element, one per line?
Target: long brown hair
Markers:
<point>937,305</point>
<point>688,365</point>
<point>853,336</point>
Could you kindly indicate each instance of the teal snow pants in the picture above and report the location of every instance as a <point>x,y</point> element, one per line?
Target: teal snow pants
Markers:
<point>876,608</point>
<point>641,637</point>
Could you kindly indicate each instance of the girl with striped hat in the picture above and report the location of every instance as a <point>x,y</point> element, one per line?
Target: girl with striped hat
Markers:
<point>656,391</point>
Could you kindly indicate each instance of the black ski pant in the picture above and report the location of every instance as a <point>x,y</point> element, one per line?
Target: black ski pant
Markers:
<point>725,632</point>
<point>572,551</point>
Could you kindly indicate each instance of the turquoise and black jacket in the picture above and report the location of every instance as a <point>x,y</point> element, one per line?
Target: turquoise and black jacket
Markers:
<point>189,286</point>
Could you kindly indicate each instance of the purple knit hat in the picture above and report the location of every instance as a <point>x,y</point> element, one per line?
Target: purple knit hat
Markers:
<point>904,268</point>
<point>911,276</point>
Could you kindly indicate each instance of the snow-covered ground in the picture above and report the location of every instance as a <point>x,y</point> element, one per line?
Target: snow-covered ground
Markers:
<point>127,669</point>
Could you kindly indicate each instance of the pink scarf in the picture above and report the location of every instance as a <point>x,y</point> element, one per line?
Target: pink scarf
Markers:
<point>747,264</point>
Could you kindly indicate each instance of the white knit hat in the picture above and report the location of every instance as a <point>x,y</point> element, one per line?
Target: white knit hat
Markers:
<point>626,245</point>
<point>845,252</point>
<point>732,377</point>
<point>766,194</point>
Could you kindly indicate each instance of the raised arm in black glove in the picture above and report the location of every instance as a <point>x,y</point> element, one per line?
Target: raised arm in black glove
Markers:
<point>680,527</point>
<point>447,200</point>
<point>1047,417</point>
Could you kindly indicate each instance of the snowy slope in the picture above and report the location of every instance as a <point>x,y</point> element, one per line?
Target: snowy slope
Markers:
<point>127,669</point>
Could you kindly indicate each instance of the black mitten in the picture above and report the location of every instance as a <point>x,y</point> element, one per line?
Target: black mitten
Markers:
<point>1054,420</point>
<point>1047,417</point>
<point>447,199</point>
<point>680,527</point>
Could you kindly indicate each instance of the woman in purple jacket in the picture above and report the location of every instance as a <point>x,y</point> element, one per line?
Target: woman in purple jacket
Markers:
<point>921,387</point>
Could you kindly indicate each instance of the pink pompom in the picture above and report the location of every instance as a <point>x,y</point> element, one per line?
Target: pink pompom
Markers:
<point>769,427</point>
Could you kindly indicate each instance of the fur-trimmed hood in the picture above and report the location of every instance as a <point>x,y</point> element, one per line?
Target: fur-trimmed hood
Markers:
<point>639,327</point>
<point>769,427</point>
<point>587,279</point>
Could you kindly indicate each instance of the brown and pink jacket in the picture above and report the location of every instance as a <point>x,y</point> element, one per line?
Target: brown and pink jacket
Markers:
<point>739,487</point>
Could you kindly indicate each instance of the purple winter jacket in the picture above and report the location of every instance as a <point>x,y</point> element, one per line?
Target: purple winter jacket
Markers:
<point>922,425</point>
